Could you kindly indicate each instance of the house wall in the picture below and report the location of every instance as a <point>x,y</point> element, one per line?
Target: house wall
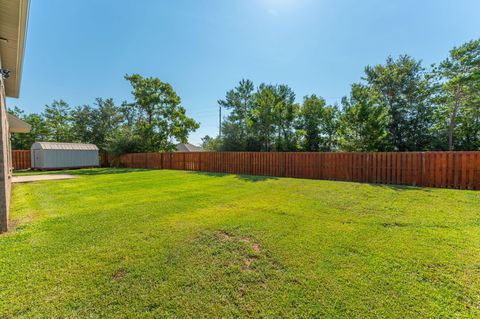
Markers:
<point>5,160</point>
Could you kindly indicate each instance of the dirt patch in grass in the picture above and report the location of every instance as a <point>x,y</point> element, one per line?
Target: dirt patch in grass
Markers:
<point>119,274</point>
<point>224,236</point>
<point>16,224</point>
<point>247,262</point>
<point>249,258</point>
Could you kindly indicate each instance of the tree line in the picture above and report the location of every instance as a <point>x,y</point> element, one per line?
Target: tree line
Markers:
<point>153,122</point>
<point>397,106</point>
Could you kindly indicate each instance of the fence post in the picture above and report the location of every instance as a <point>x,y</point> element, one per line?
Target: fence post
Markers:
<point>423,168</point>
<point>250,161</point>
<point>455,170</point>
<point>200,161</point>
<point>368,161</point>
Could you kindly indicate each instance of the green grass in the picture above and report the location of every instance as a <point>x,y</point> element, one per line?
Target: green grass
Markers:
<point>155,244</point>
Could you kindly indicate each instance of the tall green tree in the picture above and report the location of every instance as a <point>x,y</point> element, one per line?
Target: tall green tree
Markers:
<point>263,117</point>
<point>317,125</point>
<point>405,88</point>
<point>232,138</point>
<point>106,119</point>
<point>239,102</point>
<point>363,121</point>
<point>82,117</point>
<point>58,121</point>
<point>96,124</point>
<point>161,117</point>
<point>459,114</point>
<point>129,114</point>
<point>285,112</point>
<point>273,118</point>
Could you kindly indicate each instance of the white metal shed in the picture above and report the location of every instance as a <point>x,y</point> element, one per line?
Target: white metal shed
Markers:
<point>52,155</point>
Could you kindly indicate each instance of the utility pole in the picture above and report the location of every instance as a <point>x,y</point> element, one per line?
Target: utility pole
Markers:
<point>220,121</point>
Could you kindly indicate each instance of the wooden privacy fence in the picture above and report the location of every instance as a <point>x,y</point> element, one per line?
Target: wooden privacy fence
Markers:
<point>21,159</point>
<point>459,170</point>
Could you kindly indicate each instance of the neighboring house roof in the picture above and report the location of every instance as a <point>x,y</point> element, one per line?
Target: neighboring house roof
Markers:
<point>187,147</point>
<point>13,27</point>
<point>63,146</point>
<point>16,125</point>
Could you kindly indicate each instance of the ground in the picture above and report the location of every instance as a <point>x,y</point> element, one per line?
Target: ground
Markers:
<point>149,244</point>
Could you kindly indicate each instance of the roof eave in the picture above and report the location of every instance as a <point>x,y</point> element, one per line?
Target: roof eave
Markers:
<point>12,85</point>
<point>22,37</point>
<point>16,125</point>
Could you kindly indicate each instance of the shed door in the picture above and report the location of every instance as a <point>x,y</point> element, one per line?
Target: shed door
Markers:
<point>36,158</point>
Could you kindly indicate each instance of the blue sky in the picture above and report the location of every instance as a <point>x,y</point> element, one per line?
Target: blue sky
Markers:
<point>78,50</point>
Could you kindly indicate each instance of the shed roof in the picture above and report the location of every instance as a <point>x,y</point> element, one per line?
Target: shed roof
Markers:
<point>64,146</point>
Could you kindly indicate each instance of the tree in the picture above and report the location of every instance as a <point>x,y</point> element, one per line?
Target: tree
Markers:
<point>364,121</point>
<point>82,124</point>
<point>125,141</point>
<point>273,117</point>
<point>106,119</point>
<point>129,114</point>
<point>263,116</point>
<point>285,111</point>
<point>317,125</point>
<point>161,118</point>
<point>459,77</point>
<point>96,124</point>
<point>237,127</point>
<point>232,138</point>
<point>212,144</point>
<point>406,90</point>
<point>38,132</point>
<point>58,121</point>
<point>261,119</point>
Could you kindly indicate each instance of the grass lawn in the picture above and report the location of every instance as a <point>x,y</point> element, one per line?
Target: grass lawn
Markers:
<point>153,244</point>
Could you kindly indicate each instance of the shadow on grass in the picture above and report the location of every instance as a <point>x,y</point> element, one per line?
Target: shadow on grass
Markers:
<point>254,178</point>
<point>104,171</point>
<point>249,178</point>
<point>401,188</point>
<point>81,171</point>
